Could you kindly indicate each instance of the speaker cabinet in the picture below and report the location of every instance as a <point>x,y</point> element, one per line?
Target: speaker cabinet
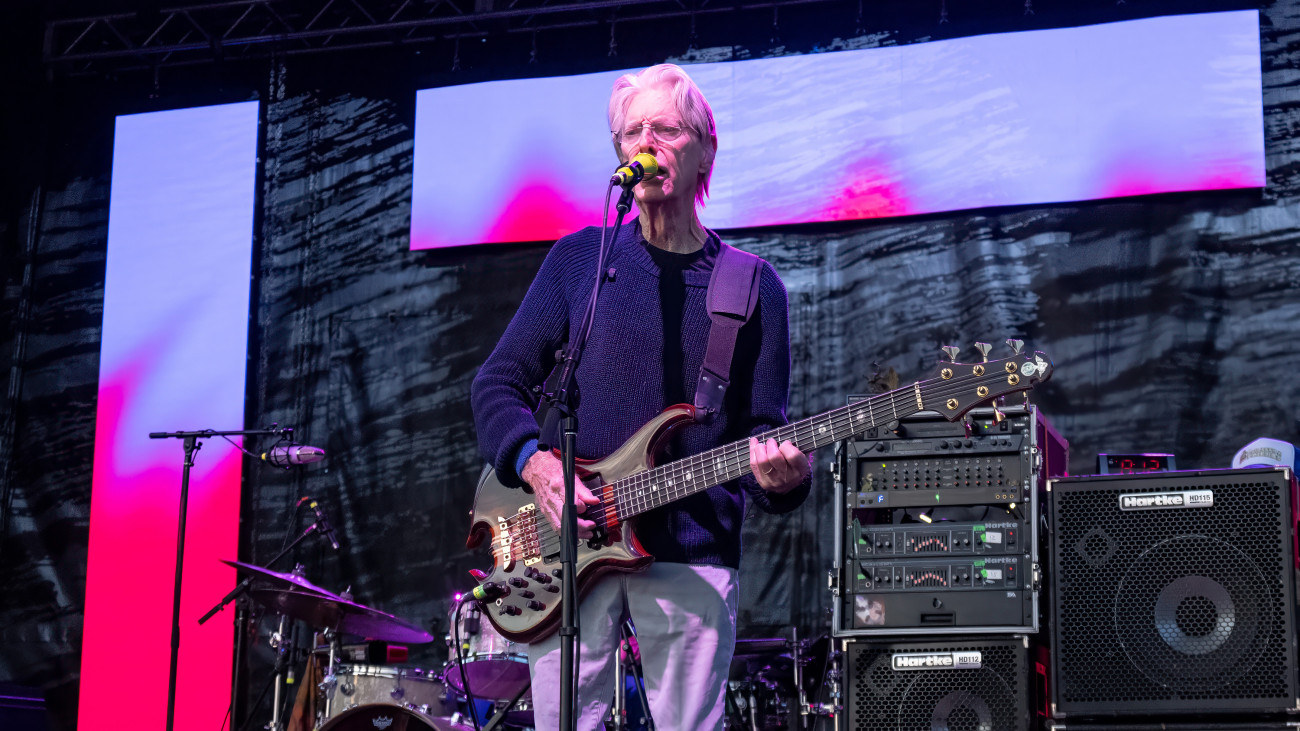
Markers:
<point>1173,593</point>
<point>966,683</point>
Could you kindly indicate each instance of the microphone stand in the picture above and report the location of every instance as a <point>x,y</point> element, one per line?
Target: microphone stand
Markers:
<point>558,408</point>
<point>192,445</point>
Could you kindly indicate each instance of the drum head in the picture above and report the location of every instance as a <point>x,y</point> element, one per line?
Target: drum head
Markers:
<point>388,718</point>
<point>491,677</point>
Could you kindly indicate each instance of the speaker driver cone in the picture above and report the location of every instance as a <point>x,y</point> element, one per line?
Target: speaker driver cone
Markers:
<point>1201,606</point>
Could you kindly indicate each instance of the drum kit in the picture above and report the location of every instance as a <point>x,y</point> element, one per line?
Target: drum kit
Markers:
<point>488,675</point>
<point>775,683</point>
<point>352,696</point>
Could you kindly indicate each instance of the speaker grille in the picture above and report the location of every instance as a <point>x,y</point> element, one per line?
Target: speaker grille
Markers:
<point>1185,606</point>
<point>993,697</point>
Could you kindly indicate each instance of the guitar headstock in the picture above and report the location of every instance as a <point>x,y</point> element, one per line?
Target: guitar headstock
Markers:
<point>956,388</point>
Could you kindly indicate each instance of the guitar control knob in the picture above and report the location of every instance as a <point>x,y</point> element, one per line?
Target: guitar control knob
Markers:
<point>536,606</point>
<point>542,578</point>
<point>517,582</point>
<point>557,573</point>
<point>553,588</point>
<point>526,593</point>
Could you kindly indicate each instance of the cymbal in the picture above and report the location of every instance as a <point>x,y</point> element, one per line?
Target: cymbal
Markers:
<point>336,613</point>
<point>767,659</point>
<point>287,581</point>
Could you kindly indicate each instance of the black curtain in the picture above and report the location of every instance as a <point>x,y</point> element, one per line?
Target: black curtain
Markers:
<point>1171,320</point>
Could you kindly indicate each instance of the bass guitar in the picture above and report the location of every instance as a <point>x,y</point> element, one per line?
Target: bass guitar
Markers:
<point>526,547</point>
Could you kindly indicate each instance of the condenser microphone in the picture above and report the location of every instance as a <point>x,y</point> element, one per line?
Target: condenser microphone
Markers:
<point>642,165</point>
<point>287,454</point>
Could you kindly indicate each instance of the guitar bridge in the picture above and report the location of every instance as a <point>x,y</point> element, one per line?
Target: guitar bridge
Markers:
<point>503,542</point>
<point>529,560</point>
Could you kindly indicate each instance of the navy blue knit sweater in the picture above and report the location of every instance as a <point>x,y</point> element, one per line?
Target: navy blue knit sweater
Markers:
<point>622,381</point>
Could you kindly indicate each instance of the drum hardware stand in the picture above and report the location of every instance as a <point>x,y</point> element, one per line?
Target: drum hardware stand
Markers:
<point>330,680</point>
<point>800,694</point>
<point>257,702</point>
<point>832,708</point>
<point>500,715</point>
<point>192,445</point>
<point>243,616</point>
<point>281,646</point>
<point>816,710</point>
<point>618,711</point>
<point>244,619</point>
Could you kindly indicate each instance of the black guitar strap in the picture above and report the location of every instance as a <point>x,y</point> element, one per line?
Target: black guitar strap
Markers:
<point>731,299</point>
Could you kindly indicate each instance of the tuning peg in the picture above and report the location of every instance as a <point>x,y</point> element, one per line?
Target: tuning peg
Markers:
<point>951,351</point>
<point>1016,345</point>
<point>998,416</point>
<point>983,348</point>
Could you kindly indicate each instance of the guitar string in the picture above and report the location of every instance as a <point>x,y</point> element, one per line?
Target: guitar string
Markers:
<point>734,457</point>
<point>544,533</point>
<point>727,459</point>
<point>632,489</point>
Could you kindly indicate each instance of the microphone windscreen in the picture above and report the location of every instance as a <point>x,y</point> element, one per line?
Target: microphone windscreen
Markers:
<point>303,454</point>
<point>649,164</point>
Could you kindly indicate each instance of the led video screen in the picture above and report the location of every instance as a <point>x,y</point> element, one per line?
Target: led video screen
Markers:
<point>1146,106</point>
<point>172,357</point>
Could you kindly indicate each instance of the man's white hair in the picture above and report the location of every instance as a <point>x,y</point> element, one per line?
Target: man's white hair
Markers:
<point>694,109</point>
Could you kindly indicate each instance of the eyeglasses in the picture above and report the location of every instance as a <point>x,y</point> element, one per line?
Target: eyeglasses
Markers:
<point>661,131</point>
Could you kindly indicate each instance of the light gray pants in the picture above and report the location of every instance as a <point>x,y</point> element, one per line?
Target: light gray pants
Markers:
<point>685,617</point>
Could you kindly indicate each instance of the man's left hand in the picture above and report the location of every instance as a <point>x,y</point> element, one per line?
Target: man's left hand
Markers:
<point>778,468</point>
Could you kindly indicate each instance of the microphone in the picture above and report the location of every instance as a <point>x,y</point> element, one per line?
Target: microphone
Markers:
<point>642,165</point>
<point>287,454</point>
<point>490,591</point>
<point>323,524</point>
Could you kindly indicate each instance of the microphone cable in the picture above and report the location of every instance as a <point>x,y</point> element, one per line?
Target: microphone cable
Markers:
<point>460,659</point>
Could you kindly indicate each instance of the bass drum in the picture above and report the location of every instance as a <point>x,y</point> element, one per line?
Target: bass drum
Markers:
<point>389,685</point>
<point>389,718</point>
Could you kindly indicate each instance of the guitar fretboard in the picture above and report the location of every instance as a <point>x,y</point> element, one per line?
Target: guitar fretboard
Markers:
<point>661,485</point>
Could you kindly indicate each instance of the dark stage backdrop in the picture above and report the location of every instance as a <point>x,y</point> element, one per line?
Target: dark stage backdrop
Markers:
<point>1172,322</point>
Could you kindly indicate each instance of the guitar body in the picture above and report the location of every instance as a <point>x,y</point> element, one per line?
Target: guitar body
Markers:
<point>526,548</point>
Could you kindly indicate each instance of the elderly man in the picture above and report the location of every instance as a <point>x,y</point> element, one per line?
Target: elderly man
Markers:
<point>644,354</point>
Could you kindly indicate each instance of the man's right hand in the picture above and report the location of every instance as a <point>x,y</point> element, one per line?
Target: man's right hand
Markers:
<point>545,473</point>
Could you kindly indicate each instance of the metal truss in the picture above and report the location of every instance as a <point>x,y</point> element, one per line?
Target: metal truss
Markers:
<point>195,33</point>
